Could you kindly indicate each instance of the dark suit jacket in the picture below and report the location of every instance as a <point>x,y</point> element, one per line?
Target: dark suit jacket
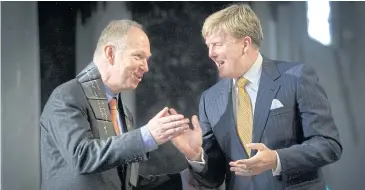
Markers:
<point>79,148</point>
<point>303,131</point>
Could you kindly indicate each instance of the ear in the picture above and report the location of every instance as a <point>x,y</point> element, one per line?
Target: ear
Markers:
<point>109,53</point>
<point>247,42</point>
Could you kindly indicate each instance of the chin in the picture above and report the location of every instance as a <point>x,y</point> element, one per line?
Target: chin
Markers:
<point>227,75</point>
<point>133,86</point>
<point>223,74</point>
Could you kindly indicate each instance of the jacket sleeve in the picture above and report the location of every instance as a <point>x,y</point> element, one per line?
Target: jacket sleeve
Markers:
<point>321,144</point>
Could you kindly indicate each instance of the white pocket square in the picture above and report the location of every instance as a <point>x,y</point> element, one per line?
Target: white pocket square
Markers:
<point>276,104</point>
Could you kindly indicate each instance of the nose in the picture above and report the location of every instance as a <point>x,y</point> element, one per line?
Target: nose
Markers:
<point>212,53</point>
<point>145,66</point>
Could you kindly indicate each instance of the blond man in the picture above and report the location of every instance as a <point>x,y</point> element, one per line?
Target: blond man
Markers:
<point>267,124</point>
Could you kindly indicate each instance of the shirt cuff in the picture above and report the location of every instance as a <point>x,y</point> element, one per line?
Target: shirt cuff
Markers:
<point>197,166</point>
<point>148,140</point>
<point>277,171</point>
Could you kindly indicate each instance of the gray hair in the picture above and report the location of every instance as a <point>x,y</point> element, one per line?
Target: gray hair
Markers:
<point>114,34</point>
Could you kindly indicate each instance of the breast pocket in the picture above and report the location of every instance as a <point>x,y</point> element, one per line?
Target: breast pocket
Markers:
<point>279,111</point>
<point>279,130</point>
<point>280,117</point>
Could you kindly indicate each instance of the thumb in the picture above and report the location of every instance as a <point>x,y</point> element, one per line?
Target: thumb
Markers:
<point>195,122</point>
<point>161,113</point>
<point>173,111</point>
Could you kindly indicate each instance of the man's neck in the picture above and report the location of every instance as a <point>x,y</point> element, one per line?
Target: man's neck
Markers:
<point>251,59</point>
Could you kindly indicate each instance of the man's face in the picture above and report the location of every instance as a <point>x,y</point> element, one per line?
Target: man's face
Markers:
<point>131,63</point>
<point>227,52</point>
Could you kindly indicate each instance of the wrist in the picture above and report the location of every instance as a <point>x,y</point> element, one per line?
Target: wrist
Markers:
<point>197,157</point>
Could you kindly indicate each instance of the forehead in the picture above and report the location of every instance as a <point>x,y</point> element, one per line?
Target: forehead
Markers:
<point>137,41</point>
<point>219,36</point>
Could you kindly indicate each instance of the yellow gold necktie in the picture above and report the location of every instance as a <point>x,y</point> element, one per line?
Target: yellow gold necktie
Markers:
<point>244,114</point>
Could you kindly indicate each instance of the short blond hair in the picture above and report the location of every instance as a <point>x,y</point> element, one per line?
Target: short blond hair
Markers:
<point>114,34</point>
<point>239,20</point>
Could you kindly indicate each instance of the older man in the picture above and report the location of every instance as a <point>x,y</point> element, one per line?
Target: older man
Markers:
<point>88,140</point>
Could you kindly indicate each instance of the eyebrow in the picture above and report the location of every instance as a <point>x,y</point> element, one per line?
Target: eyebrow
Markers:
<point>143,53</point>
<point>213,42</point>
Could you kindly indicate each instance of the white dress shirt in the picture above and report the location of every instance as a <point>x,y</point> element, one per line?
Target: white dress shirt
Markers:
<point>253,76</point>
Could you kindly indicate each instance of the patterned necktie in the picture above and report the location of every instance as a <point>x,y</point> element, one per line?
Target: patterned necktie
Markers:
<point>113,114</point>
<point>244,114</point>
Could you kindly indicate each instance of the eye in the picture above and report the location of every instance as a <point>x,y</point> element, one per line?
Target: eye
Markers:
<point>138,57</point>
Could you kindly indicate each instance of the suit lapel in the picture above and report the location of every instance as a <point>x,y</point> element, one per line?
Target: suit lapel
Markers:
<point>223,103</point>
<point>268,88</point>
<point>93,88</point>
<point>126,113</point>
<point>132,170</point>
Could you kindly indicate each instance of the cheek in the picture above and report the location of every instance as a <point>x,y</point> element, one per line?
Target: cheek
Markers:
<point>221,53</point>
<point>128,68</point>
<point>226,53</point>
<point>123,66</point>
<point>233,55</point>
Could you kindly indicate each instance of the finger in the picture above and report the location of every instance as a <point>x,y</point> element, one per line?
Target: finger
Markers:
<point>173,111</point>
<point>195,122</point>
<point>166,114</point>
<point>244,173</point>
<point>171,118</point>
<point>256,146</point>
<point>172,133</point>
<point>186,125</point>
<point>241,171</point>
<point>249,163</point>
<point>238,164</point>
<point>161,113</point>
<point>175,124</point>
<point>178,133</point>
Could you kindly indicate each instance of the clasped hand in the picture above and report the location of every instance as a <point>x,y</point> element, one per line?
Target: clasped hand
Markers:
<point>164,127</point>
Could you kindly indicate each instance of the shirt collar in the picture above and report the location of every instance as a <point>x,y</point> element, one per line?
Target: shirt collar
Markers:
<point>109,93</point>
<point>254,73</point>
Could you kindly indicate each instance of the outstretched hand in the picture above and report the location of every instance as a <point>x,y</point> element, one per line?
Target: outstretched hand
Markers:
<point>264,160</point>
<point>190,142</point>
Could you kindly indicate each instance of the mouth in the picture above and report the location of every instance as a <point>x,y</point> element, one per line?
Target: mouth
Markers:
<point>219,63</point>
<point>139,77</point>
